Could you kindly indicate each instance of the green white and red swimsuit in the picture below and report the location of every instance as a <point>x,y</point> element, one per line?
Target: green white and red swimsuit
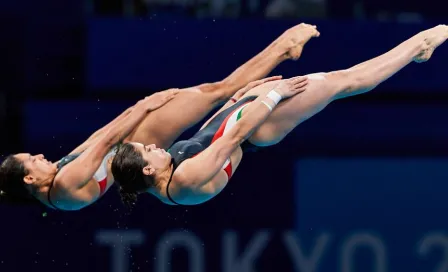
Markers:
<point>214,130</point>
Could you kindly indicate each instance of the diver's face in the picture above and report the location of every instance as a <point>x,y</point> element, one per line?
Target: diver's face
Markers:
<point>158,159</point>
<point>37,166</point>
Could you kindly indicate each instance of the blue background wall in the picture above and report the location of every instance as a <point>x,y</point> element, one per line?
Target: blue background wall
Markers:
<point>151,53</point>
<point>397,203</point>
<point>372,164</point>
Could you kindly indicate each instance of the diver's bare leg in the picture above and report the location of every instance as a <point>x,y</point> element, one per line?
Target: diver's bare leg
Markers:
<point>191,105</point>
<point>326,87</point>
<point>288,46</point>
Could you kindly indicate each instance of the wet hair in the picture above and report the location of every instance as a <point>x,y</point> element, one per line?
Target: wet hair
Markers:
<point>127,169</point>
<point>13,189</point>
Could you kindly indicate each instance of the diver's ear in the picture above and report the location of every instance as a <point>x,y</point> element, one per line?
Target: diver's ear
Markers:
<point>148,170</point>
<point>28,179</point>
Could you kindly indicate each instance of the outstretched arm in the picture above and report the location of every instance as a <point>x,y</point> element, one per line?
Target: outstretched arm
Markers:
<point>241,92</point>
<point>79,173</point>
<point>201,170</point>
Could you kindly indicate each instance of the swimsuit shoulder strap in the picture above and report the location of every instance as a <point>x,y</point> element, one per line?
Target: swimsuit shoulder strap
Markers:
<point>169,182</point>
<point>49,194</point>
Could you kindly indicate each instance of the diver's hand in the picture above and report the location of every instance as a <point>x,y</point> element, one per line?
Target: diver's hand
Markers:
<point>292,86</point>
<point>157,100</point>
<point>254,84</point>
